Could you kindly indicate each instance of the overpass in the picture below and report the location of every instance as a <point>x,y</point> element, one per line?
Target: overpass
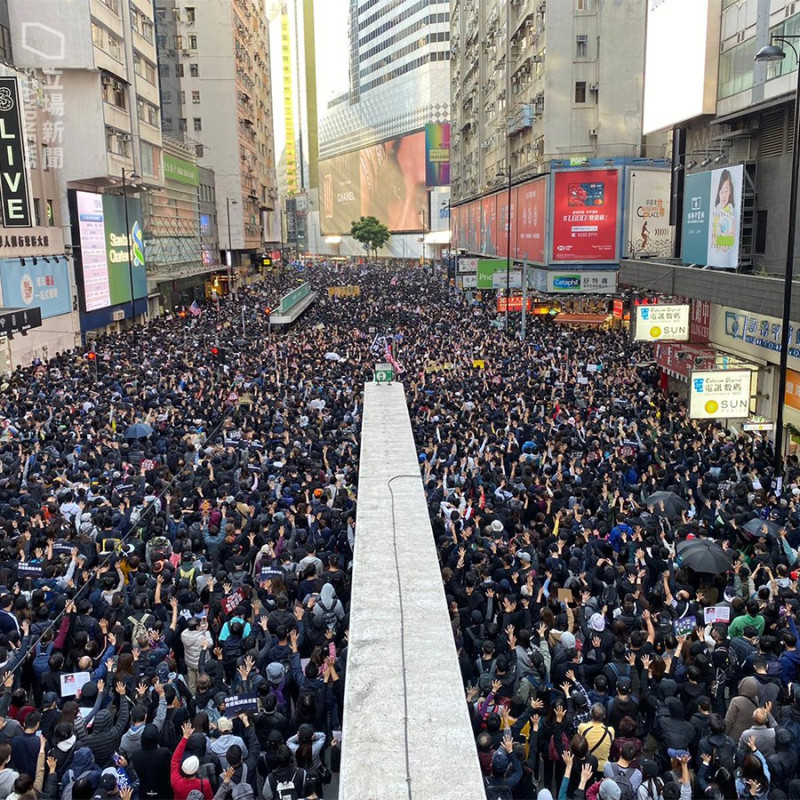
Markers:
<point>406,730</point>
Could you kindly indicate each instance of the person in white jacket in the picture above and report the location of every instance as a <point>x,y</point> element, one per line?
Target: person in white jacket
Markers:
<point>193,636</point>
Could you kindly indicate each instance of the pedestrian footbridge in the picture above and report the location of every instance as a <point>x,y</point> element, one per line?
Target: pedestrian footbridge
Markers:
<point>406,731</point>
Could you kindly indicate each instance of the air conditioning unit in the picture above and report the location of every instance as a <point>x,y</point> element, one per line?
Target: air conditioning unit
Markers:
<point>594,87</point>
<point>592,131</point>
<point>118,315</point>
<point>106,80</point>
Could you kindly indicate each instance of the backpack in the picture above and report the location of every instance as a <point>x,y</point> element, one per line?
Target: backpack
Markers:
<point>486,677</point>
<point>617,673</point>
<point>286,790</point>
<point>242,790</point>
<point>496,792</point>
<point>724,756</point>
<point>139,626</point>
<point>41,658</point>
<point>329,615</point>
<point>158,548</point>
<point>188,575</point>
<point>621,776</point>
<point>70,778</point>
<point>609,596</point>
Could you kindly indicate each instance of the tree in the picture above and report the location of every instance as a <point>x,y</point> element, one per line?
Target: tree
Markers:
<point>371,232</point>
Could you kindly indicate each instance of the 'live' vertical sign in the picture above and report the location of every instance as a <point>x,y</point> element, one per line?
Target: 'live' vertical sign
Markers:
<point>14,189</point>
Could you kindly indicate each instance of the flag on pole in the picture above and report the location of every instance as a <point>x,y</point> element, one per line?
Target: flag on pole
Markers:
<point>195,309</point>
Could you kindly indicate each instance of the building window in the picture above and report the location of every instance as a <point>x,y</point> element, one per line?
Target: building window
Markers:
<point>117,142</point>
<point>195,96</point>
<point>192,41</point>
<point>112,4</point>
<point>198,123</point>
<point>736,69</point>
<point>580,47</point>
<point>166,124</point>
<point>5,43</point>
<point>51,214</point>
<point>179,70</point>
<point>97,36</point>
<point>147,113</point>
<point>761,233</point>
<point>143,68</point>
<point>147,30</point>
<point>114,92</point>
<point>190,15</point>
<point>161,14</point>
<point>183,98</point>
<point>151,160</point>
<point>194,70</point>
<point>182,124</point>
<point>37,211</point>
<point>580,91</point>
<point>199,150</point>
<point>163,70</point>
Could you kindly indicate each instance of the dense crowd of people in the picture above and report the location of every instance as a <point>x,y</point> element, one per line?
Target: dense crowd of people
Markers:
<point>177,518</point>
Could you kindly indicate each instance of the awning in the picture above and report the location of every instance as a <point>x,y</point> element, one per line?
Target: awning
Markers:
<point>581,319</point>
<point>437,237</point>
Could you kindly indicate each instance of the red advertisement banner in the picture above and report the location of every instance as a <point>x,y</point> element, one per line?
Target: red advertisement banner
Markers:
<point>530,221</point>
<point>585,225</point>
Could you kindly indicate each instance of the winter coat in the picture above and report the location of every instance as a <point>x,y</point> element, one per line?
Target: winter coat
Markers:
<point>105,736</point>
<point>152,763</point>
<point>740,711</point>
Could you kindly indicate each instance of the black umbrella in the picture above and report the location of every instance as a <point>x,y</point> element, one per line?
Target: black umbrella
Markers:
<point>672,504</point>
<point>761,528</point>
<point>704,555</point>
<point>139,430</point>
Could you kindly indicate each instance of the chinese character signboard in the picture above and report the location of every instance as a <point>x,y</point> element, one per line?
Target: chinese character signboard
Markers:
<point>648,229</point>
<point>719,394</point>
<point>44,284</point>
<point>575,281</point>
<point>585,216</point>
<point>662,322</point>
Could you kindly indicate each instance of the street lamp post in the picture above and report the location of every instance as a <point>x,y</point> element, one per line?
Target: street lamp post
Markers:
<point>228,204</point>
<point>767,54</point>
<point>129,175</point>
<point>506,173</point>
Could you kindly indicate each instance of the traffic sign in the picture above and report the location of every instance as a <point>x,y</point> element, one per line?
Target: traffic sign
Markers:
<point>384,373</point>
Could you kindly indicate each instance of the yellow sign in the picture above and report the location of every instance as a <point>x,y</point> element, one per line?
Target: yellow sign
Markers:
<point>478,363</point>
<point>344,291</point>
<point>435,366</point>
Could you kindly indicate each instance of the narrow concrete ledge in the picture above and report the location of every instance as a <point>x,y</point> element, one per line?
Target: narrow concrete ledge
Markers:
<point>399,619</point>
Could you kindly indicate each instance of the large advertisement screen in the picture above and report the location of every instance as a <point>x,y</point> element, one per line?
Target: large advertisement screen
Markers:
<point>585,225</point>
<point>711,217</point>
<point>648,229</point>
<point>530,221</point>
<point>489,225</point>
<point>341,193</point>
<point>393,182</point>
<point>719,394</point>
<point>386,180</point>
<point>681,61</point>
<point>437,154</point>
<point>104,240</point>
<point>503,223</point>
<point>44,284</point>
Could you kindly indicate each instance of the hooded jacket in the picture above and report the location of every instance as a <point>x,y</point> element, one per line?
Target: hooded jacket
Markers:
<point>328,603</point>
<point>674,730</point>
<point>83,763</point>
<point>740,711</point>
<point>7,778</point>
<point>132,738</point>
<point>151,763</point>
<point>105,736</point>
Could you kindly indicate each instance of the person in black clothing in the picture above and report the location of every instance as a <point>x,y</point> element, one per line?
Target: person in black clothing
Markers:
<point>151,763</point>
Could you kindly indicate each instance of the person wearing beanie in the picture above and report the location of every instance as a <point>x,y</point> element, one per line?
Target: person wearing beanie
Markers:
<point>506,767</point>
<point>183,774</point>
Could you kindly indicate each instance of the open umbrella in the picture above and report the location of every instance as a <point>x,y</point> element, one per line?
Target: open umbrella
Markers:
<point>673,505</point>
<point>704,555</point>
<point>139,430</point>
<point>761,528</point>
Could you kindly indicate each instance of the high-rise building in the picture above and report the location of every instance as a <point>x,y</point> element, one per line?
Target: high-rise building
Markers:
<point>537,80</point>
<point>214,64</point>
<point>99,59</point>
<point>375,139</point>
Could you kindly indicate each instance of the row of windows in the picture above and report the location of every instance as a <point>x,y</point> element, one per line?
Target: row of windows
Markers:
<point>103,39</point>
<point>437,36</point>
<point>397,19</point>
<point>144,68</point>
<point>183,125</point>
<point>441,36</point>
<point>443,55</point>
<point>431,19</point>
<point>194,70</point>
<point>166,97</point>
<point>141,24</point>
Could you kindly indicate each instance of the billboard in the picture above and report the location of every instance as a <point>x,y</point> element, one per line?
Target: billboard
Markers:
<point>575,281</point>
<point>486,270</point>
<point>662,323</point>
<point>678,89</point>
<point>585,216</point>
<point>719,394</point>
<point>104,242</point>
<point>711,217</point>
<point>14,183</point>
<point>488,243</point>
<point>437,154</point>
<point>43,284</point>
<point>649,232</point>
<point>392,180</point>
<point>341,193</point>
<point>530,228</point>
<point>181,170</point>
<point>503,223</point>
<point>440,209</point>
